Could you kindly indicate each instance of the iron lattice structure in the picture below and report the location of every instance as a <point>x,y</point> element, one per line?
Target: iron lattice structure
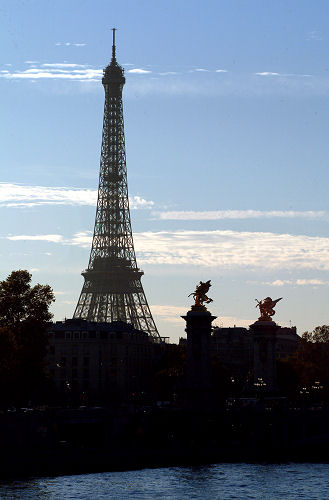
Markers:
<point>112,290</point>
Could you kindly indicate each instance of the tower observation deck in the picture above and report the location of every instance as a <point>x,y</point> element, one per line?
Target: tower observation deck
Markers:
<point>112,289</point>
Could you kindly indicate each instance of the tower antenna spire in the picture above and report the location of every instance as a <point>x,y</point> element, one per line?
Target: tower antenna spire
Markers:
<point>113,44</point>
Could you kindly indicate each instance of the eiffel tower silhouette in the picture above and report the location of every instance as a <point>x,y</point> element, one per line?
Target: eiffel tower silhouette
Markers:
<point>112,289</point>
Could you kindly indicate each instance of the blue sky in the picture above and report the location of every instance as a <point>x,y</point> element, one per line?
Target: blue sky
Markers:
<point>226,120</point>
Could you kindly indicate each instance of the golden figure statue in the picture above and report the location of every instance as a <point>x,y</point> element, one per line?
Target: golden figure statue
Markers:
<point>266,308</point>
<point>200,296</point>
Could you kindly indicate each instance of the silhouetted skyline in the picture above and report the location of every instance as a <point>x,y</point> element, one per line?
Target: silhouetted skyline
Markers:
<point>226,119</point>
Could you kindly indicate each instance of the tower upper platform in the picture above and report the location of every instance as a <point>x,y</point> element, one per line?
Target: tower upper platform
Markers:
<point>113,74</point>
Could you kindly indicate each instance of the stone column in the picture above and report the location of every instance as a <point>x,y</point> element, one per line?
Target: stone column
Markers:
<point>198,368</point>
<point>264,343</point>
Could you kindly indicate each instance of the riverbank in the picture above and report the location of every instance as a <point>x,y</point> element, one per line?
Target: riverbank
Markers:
<point>28,463</point>
<point>74,441</point>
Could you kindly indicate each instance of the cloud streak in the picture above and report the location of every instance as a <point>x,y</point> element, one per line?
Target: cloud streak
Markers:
<point>219,249</point>
<point>56,72</point>
<point>139,71</point>
<point>298,282</point>
<point>186,82</point>
<point>63,65</point>
<point>172,314</point>
<point>241,214</point>
<point>233,249</point>
<point>17,195</point>
<point>267,73</point>
<point>69,44</point>
<point>271,73</point>
<point>50,238</point>
<point>66,71</point>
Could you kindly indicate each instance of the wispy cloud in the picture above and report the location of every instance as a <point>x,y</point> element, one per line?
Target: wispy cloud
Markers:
<point>69,44</point>
<point>184,82</point>
<point>139,71</point>
<point>172,314</point>
<point>64,65</point>
<point>270,73</point>
<point>233,249</point>
<point>314,35</point>
<point>138,202</point>
<point>244,85</point>
<point>241,214</point>
<point>17,195</point>
<point>219,249</point>
<point>298,282</point>
<point>267,73</point>
<point>57,72</point>
<point>231,321</point>
<point>50,238</point>
<point>82,239</point>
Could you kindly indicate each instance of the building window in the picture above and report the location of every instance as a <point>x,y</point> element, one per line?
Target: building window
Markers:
<point>74,361</point>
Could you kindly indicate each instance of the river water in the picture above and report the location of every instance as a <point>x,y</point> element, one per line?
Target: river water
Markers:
<point>220,481</point>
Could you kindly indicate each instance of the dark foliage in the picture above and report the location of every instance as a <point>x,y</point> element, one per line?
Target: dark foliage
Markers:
<point>306,375</point>
<point>24,313</point>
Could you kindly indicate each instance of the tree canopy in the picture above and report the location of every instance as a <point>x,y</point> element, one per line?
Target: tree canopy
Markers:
<point>319,334</point>
<point>306,373</point>
<point>24,313</point>
<point>20,302</point>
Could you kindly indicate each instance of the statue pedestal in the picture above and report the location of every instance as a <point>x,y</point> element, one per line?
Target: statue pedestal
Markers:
<point>264,359</point>
<point>198,368</point>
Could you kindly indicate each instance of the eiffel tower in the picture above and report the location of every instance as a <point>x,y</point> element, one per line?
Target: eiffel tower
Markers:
<point>112,289</point>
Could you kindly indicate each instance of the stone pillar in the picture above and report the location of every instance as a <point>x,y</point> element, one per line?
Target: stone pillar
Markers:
<point>264,343</point>
<point>198,368</point>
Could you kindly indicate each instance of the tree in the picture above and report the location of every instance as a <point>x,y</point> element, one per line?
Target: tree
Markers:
<point>24,313</point>
<point>306,372</point>
<point>319,334</point>
<point>19,302</point>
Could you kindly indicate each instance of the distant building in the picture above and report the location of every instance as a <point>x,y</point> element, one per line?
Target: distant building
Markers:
<point>99,362</point>
<point>287,342</point>
<point>234,346</point>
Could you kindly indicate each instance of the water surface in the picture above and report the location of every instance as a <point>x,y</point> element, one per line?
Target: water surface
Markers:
<point>220,481</point>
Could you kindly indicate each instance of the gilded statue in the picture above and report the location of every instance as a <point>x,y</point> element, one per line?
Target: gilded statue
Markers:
<point>266,308</point>
<point>200,296</point>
